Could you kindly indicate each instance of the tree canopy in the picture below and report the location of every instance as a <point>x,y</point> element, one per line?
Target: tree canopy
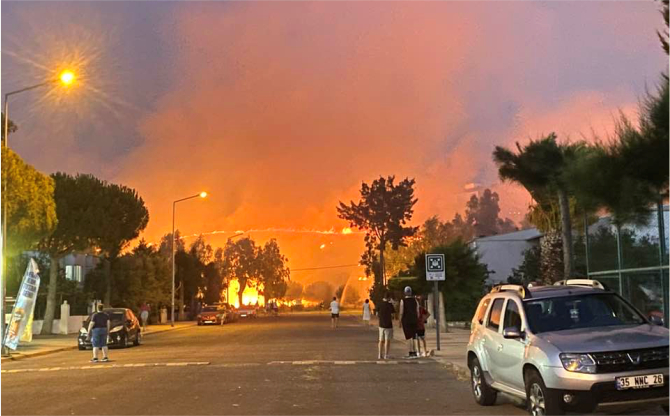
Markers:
<point>31,208</point>
<point>382,212</point>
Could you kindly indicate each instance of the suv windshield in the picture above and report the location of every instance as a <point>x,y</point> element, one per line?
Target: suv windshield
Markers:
<point>585,311</point>
<point>210,309</point>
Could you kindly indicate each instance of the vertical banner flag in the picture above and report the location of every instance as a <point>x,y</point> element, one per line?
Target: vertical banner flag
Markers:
<point>24,306</point>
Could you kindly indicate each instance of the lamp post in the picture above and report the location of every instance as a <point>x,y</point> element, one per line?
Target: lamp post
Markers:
<point>65,78</point>
<point>174,205</point>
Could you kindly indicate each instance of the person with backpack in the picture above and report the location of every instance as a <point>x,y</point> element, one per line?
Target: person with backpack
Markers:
<point>98,330</point>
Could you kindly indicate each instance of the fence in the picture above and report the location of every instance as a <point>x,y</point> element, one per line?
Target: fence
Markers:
<point>630,259</point>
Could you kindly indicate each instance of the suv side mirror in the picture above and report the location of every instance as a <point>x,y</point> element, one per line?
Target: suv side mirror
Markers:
<point>656,320</point>
<point>511,333</point>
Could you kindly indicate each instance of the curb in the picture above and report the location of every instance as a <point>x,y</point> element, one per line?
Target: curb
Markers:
<point>20,356</point>
<point>461,373</point>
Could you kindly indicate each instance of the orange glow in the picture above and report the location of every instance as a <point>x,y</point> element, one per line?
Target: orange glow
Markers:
<point>203,194</point>
<point>346,230</point>
<point>249,297</point>
<point>322,246</point>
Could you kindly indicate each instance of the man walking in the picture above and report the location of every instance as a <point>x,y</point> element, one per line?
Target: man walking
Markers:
<point>98,329</point>
<point>409,317</point>
<point>334,312</point>
<point>385,311</point>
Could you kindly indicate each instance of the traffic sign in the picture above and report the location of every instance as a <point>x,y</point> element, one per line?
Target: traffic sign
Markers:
<point>435,267</point>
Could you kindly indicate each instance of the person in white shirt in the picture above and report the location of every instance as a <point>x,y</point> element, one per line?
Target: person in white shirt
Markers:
<point>334,312</point>
<point>366,312</point>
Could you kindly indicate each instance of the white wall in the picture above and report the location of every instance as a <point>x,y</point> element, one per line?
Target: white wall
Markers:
<point>73,325</point>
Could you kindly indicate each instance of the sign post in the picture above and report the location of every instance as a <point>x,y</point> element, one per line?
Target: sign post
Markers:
<point>435,273</point>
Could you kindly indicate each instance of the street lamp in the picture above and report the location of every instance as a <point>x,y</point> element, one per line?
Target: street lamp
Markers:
<point>174,204</point>
<point>65,78</point>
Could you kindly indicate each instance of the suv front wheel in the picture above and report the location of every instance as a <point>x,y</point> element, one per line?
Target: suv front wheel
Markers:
<point>484,394</point>
<point>540,400</point>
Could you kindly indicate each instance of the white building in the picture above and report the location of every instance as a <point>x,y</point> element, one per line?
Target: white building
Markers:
<point>501,253</point>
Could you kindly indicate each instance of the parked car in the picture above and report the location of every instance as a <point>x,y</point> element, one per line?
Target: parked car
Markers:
<point>566,348</point>
<point>211,315</point>
<point>247,311</point>
<point>231,314</point>
<point>125,328</point>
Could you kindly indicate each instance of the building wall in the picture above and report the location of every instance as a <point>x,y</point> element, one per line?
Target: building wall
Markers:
<point>502,256</point>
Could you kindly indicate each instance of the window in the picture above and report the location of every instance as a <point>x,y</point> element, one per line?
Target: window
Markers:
<point>512,316</point>
<point>482,311</point>
<point>73,272</point>
<point>574,312</point>
<point>494,316</point>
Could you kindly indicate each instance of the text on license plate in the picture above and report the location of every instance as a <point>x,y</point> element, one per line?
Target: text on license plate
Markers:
<point>639,382</point>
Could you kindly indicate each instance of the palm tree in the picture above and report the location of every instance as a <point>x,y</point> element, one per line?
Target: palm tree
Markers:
<point>628,174</point>
<point>540,167</point>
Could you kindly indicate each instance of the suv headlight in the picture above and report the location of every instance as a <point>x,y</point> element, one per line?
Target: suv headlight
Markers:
<point>578,363</point>
<point>117,328</point>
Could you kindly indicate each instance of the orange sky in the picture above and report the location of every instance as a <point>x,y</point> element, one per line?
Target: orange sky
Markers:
<point>280,110</point>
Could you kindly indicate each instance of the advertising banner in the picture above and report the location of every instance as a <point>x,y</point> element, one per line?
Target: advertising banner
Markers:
<point>24,306</point>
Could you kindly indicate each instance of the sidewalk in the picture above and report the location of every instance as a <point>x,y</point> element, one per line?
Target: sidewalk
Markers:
<point>49,344</point>
<point>453,344</point>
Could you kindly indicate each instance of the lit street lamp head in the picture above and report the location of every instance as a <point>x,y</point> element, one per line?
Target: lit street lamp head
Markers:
<point>67,77</point>
<point>203,194</point>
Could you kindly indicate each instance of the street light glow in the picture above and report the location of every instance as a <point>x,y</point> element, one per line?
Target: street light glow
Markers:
<point>203,194</point>
<point>67,77</point>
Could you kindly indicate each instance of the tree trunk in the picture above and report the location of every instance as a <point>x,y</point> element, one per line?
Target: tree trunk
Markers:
<point>180,314</point>
<point>382,265</point>
<point>50,312</point>
<point>551,264</point>
<point>566,230</point>
<point>240,292</point>
<point>108,283</point>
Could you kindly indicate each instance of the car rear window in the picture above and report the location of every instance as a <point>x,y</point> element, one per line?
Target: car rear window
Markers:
<point>494,316</point>
<point>481,312</point>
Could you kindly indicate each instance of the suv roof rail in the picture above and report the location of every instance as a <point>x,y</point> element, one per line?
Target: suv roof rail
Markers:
<point>580,282</point>
<point>521,290</point>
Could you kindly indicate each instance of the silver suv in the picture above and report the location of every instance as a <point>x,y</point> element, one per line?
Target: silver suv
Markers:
<point>570,347</point>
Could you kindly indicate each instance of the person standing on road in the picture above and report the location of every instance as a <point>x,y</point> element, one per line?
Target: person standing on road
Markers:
<point>366,312</point>
<point>98,330</point>
<point>421,328</point>
<point>334,312</point>
<point>409,317</point>
<point>144,315</point>
<point>385,311</point>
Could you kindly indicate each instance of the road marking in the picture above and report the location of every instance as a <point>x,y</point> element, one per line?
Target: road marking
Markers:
<point>349,362</point>
<point>101,366</point>
<point>105,366</point>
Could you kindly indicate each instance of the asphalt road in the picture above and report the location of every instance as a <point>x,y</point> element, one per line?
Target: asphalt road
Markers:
<point>293,364</point>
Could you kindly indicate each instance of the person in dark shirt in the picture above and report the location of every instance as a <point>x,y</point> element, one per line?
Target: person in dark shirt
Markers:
<point>385,311</point>
<point>409,319</point>
<point>98,329</point>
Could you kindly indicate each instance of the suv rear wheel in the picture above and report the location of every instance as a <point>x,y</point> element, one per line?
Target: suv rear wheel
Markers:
<point>484,394</point>
<point>539,399</point>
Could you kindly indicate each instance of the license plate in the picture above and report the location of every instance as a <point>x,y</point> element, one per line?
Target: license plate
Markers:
<point>639,382</point>
<point>208,322</point>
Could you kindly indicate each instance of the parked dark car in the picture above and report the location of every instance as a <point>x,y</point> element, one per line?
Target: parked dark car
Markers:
<point>125,328</point>
<point>211,315</point>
